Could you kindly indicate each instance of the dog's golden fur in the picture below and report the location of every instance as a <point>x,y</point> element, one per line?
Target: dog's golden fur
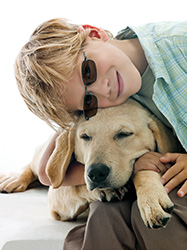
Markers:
<point>113,139</point>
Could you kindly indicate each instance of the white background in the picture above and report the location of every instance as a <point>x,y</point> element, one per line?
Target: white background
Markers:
<point>20,130</point>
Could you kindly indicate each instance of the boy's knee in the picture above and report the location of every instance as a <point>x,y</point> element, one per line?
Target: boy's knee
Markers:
<point>111,209</point>
<point>103,208</point>
<point>136,218</point>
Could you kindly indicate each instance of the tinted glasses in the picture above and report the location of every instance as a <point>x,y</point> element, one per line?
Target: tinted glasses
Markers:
<point>89,76</point>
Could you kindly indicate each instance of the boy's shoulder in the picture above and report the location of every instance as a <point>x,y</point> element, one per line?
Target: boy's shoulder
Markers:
<point>161,29</point>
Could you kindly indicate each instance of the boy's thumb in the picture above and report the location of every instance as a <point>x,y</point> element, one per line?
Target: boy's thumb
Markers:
<point>169,157</point>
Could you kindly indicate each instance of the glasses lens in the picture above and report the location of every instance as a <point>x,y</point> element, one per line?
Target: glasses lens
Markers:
<point>90,105</point>
<point>89,72</point>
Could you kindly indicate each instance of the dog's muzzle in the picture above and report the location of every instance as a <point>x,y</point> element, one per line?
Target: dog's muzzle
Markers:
<point>97,175</point>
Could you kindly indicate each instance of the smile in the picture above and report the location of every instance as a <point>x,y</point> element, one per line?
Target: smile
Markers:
<point>120,84</point>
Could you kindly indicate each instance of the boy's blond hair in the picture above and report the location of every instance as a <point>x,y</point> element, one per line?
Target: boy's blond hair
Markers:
<point>44,64</point>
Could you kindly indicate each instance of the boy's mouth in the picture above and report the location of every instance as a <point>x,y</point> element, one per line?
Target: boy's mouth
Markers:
<point>120,84</point>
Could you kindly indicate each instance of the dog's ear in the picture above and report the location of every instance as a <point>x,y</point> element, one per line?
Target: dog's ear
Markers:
<point>60,158</point>
<point>164,137</point>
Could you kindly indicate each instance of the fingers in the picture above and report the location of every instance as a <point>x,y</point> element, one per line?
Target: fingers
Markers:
<point>171,173</point>
<point>162,168</point>
<point>173,177</point>
<point>173,165</point>
<point>177,174</point>
<point>183,190</point>
<point>151,161</point>
<point>173,182</point>
<point>169,157</point>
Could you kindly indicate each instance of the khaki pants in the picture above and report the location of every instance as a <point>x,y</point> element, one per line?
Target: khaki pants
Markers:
<point>117,226</point>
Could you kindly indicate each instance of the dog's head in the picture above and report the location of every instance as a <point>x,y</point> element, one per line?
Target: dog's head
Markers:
<point>108,145</point>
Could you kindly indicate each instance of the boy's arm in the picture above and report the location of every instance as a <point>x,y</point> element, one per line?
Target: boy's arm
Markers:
<point>75,171</point>
<point>151,161</point>
<point>173,165</point>
<point>177,174</point>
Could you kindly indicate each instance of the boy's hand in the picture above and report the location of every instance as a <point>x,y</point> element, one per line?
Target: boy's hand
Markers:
<point>177,173</point>
<point>151,161</point>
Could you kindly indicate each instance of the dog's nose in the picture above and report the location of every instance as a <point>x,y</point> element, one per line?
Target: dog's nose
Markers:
<point>98,172</point>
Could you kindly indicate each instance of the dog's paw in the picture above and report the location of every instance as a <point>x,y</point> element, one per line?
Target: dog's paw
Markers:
<point>12,183</point>
<point>155,209</point>
<point>112,195</point>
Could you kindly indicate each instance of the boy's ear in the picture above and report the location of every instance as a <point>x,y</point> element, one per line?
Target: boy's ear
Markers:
<point>95,32</point>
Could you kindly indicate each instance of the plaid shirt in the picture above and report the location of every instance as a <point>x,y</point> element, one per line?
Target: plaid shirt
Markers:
<point>165,47</point>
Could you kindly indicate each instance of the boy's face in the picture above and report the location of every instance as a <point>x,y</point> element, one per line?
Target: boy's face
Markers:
<point>117,77</point>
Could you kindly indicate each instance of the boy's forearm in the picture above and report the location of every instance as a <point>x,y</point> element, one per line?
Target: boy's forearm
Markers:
<point>74,175</point>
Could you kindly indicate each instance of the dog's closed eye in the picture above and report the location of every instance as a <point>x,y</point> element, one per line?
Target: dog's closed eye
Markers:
<point>85,137</point>
<point>122,135</point>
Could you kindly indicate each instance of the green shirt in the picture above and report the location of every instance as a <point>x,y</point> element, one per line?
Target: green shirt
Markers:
<point>144,95</point>
<point>165,47</point>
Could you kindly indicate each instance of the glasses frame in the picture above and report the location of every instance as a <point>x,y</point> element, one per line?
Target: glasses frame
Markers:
<point>87,93</point>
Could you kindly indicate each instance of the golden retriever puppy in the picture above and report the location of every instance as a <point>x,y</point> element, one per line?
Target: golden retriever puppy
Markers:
<point>108,145</point>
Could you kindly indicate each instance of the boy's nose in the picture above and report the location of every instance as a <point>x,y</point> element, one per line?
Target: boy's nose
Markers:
<point>101,88</point>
